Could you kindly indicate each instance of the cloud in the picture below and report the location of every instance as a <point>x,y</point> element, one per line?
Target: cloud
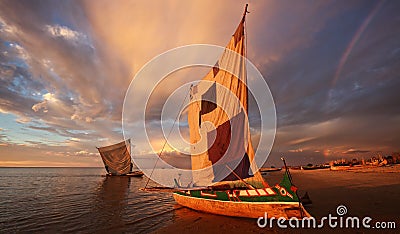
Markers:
<point>295,150</point>
<point>65,33</point>
<point>354,151</point>
<point>68,75</point>
<point>41,105</point>
<point>65,67</point>
<point>301,140</point>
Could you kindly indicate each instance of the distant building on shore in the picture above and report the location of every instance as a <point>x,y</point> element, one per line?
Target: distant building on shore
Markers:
<point>377,160</point>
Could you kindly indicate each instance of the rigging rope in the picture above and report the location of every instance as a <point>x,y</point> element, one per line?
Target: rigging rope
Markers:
<point>166,139</point>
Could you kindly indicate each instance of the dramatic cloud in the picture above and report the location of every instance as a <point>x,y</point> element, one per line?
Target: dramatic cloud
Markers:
<point>332,68</point>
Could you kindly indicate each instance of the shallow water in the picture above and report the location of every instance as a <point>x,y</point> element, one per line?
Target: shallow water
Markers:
<point>78,200</point>
<point>82,200</point>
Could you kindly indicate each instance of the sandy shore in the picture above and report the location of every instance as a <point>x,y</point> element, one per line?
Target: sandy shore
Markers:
<point>373,192</point>
<point>374,169</point>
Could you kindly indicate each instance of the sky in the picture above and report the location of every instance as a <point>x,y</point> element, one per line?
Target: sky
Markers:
<point>332,67</point>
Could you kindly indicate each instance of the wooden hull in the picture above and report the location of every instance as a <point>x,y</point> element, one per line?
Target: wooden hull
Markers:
<point>135,174</point>
<point>286,210</point>
<point>131,174</point>
<point>266,170</point>
<point>315,168</point>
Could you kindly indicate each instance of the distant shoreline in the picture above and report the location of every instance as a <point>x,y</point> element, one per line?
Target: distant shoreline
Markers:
<point>45,167</point>
<point>394,168</point>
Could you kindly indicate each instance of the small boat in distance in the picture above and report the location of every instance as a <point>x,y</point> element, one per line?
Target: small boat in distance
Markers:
<point>117,160</point>
<point>265,170</point>
<point>315,167</point>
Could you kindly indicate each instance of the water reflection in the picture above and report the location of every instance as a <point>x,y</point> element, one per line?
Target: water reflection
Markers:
<point>78,200</point>
<point>111,202</point>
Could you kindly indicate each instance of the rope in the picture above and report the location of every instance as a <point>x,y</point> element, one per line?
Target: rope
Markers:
<point>166,140</point>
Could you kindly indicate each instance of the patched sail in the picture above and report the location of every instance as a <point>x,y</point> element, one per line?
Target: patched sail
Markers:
<point>217,115</point>
<point>117,158</point>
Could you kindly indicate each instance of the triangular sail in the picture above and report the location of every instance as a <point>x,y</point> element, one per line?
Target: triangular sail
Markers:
<point>117,158</point>
<point>222,150</point>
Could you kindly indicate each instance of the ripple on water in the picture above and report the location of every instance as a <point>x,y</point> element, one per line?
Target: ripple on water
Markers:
<point>78,200</point>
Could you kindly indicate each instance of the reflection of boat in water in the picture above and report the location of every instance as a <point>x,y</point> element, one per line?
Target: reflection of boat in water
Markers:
<point>316,167</point>
<point>110,204</point>
<point>114,188</point>
<point>237,187</point>
<point>117,160</point>
<point>265,170</point>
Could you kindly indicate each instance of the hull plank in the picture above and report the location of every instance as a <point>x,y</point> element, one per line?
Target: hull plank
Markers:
<point>131,174</point>
<point>135,174</point>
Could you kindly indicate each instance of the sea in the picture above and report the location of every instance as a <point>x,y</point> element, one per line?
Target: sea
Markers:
<point>84,200</point>
<point>79,200</point>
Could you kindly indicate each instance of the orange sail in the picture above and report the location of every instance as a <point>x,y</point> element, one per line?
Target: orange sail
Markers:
<point>219,130</point>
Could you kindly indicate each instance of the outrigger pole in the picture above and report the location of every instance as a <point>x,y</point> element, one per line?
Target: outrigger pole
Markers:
<point>247,184</point>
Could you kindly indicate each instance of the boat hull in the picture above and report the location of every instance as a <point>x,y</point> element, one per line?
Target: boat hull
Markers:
<point>264,171</point>
<point>135,174</point>
<point>131,174</point>
<point>315,168</point>
<point>286,210</point>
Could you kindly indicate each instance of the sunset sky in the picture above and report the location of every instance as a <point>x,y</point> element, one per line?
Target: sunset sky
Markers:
<point>332,67</point>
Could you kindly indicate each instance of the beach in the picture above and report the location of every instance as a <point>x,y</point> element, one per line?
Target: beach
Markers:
<point>373,192</point>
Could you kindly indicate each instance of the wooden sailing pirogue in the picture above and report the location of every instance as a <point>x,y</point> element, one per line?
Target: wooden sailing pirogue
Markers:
<point>117,160</point>
<point>227,164</point>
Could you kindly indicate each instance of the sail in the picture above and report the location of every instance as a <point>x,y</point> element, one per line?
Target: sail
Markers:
<point>217,115</point>
<point>117,158</point>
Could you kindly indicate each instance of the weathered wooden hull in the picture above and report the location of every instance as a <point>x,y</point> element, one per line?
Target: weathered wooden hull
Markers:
<point>315,168</point>
<point>131,174</point>
<point>270,169</point>
<point>135,174</point>
<point>243,209</point>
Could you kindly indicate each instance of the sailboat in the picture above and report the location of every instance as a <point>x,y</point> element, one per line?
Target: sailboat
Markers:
<point>225,176</point>
<point>117,159</point>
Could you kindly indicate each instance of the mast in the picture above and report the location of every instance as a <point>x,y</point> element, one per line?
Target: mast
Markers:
<point>228,145</point>
<point>245,10</point>
<point>245,54</point>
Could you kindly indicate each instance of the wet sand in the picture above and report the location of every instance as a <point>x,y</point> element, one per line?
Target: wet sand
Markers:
<point>373,192</point>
